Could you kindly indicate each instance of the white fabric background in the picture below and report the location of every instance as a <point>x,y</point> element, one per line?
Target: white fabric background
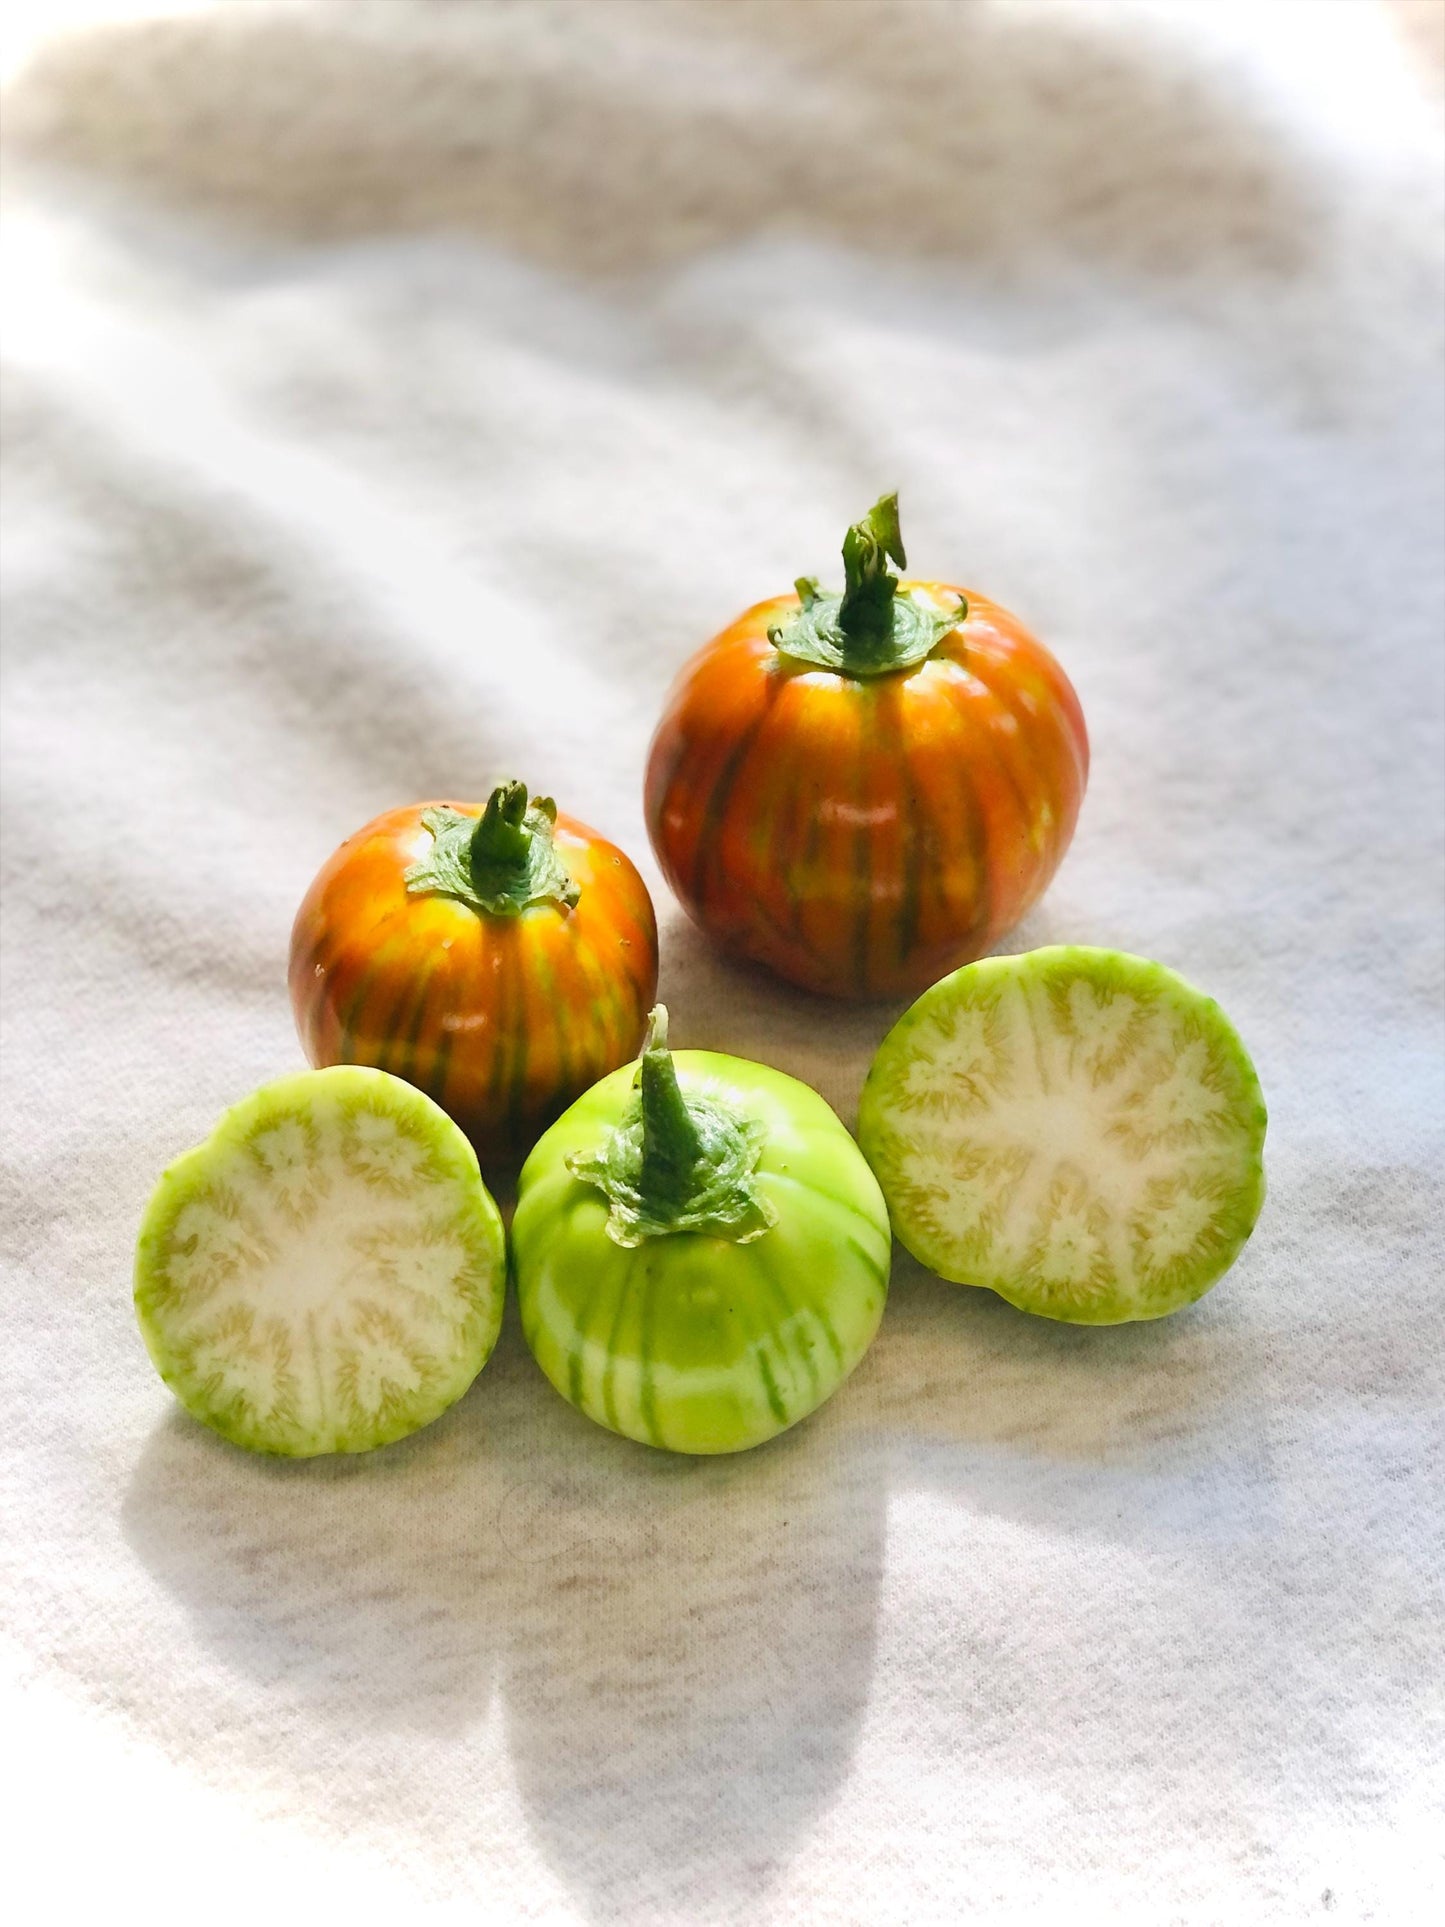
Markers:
<point>395,395</point>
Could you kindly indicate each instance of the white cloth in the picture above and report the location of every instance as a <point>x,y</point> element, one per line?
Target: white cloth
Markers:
<point>395,396</point>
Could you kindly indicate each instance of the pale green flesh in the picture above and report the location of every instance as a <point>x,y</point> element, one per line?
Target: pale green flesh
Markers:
<point>1078,1130</point>
<point>693,1342</point>
<point>326,1272</point>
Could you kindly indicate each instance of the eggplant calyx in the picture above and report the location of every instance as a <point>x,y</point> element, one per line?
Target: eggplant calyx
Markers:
<point>499,863</point>
<point>870,629</point>
<point>678,1162</point>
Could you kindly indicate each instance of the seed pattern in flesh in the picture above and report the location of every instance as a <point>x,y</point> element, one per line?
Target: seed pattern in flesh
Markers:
<point>1071,1138</point>
<point>321,1279</point>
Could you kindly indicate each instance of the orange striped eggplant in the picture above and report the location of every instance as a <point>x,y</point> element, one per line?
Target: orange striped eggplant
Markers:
<point>501,958</point>
<point>864,791</point>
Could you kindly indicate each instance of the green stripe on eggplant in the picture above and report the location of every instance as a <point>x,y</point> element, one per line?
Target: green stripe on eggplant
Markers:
<point>825,1325</point>
<point>790,1305</point>
<point>714,810</point>
<point>436,1083</point>
<point>755,1329</point>
<point>760,1331</point>
<point>407,1068</point>
<point>863,871</point>
<point>646,1388</point>
<point>514,1030</point>
<point>813,822</point>
<point>775,1403</point>
<point>917,834</point>
<point>980,732</point>
<point>609,1371</point>
<point>546,978</point>
<point>346,1042</point>
<point>857,1246</point>
<point>970,813</point>
<point>810,1189</point>
<point>1046,859</point>
<point>576,1352</point>
<point>404,1025</point>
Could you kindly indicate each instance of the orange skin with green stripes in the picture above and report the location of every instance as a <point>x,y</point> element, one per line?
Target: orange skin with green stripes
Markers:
<point>863,836</point>
<point>502,1020</point>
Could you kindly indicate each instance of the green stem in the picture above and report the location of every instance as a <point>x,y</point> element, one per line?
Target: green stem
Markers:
<point>869,630</point>
<point>500,843</point>
<point>865,614</point>
<point>500,863</point>
<point>675,1163</point>
<point>671,1143</point>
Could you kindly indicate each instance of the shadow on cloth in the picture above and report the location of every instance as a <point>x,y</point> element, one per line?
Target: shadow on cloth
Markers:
<point>985,131</point>
<point>971,1377</point>
<point>685,1693</point>
<point>660,1629</point>
<point>356,1591</point>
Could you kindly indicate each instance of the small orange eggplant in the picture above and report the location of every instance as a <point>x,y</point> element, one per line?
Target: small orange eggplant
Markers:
<point>501,958</point>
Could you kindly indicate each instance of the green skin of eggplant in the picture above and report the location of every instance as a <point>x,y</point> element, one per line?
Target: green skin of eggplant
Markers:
<point>691,1341</point>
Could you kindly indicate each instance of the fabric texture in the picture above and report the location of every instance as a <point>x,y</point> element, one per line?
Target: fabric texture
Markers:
<point>395,396</point>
